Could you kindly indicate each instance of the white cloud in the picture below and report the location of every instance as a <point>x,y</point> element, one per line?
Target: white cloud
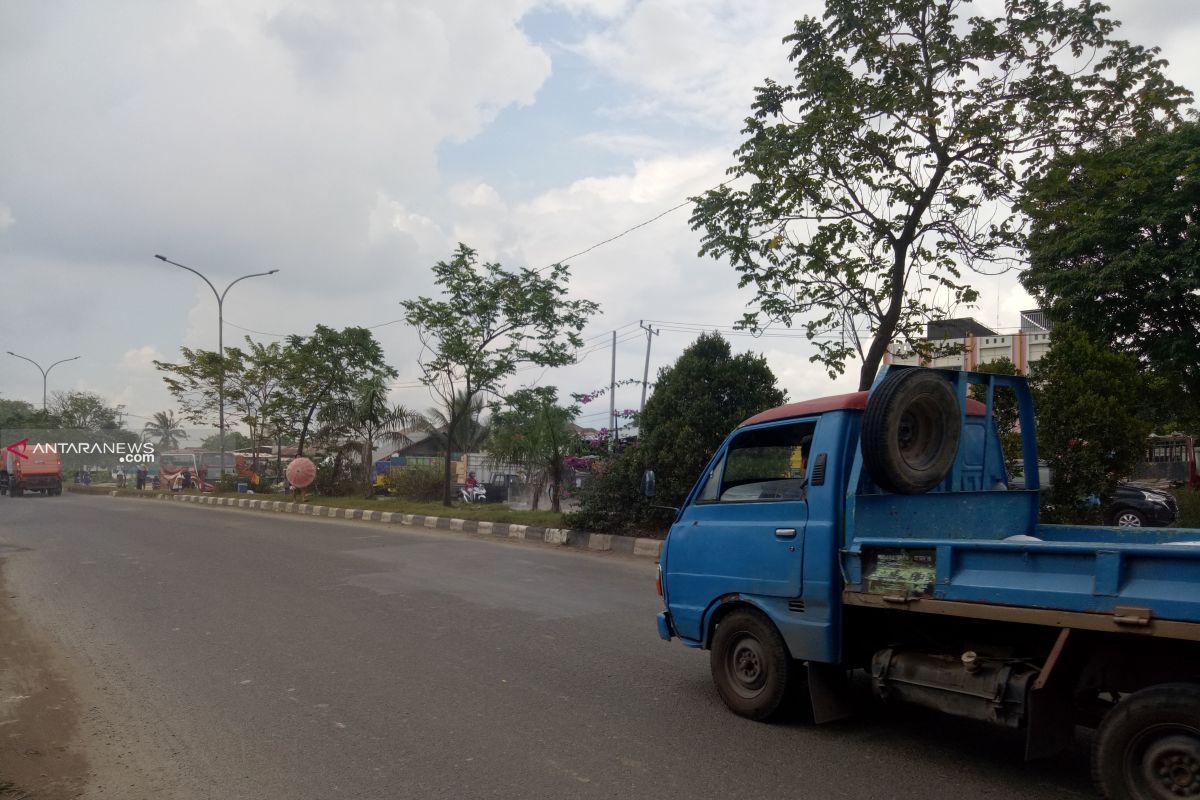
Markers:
<point>697,60</point>
<point>6,218</point>
<point>141,359</point>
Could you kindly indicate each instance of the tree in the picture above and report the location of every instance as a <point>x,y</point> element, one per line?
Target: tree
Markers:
<point>535,433</point>
<point>697,401</point>
<point>1088,430</point>
<point>1114,248</point>
<point>18,413</point>
<point>84,411</point>
<point>164,430</point>
<point>234,440</point>
<point>324,368</point>
<point>366,416</point>
<point>468,432</point>
<point>252,379</point>
<point>491,321</point>
<point>194,382</point>
<point>891,163</point>
<point>254,387</point>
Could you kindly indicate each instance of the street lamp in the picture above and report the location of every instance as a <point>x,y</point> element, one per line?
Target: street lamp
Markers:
<point>44,372</point>
<point>220,339</point>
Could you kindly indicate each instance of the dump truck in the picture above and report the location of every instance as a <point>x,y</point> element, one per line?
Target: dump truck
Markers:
<point>880,534</point>
<point>33,468</point>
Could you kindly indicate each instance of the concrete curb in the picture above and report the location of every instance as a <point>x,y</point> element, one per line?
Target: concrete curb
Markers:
<point>562,537</point>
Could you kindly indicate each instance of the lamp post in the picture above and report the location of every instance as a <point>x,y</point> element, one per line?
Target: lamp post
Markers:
<point>44,372</point>
<point>220,341</point>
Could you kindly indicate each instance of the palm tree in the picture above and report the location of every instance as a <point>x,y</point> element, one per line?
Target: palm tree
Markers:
<point>165,430</point>
<point>366,417</point>
<point>469,434</point>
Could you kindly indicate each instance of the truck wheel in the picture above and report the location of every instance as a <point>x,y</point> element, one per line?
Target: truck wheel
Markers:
<point>750,665</point>
<point>910,431</point>
<point>14,491</point>
<point>1148,746</point>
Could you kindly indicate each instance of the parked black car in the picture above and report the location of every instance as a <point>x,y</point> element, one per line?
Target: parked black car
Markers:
<point>1130,506</point>
<point>1134,506</point>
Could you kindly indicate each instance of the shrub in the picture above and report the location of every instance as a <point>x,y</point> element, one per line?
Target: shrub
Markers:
<point>611,499</point>
<point>415,483</point>
<point>1189,508</point>
<point>337,477</point>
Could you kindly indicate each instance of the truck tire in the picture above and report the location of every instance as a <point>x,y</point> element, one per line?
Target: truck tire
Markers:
<point>14,491</point>
<point>750,665</point>
<point>1148,746</point>
<point>910,431</point>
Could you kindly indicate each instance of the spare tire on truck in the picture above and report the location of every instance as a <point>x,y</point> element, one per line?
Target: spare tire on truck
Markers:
<point>910,431</point>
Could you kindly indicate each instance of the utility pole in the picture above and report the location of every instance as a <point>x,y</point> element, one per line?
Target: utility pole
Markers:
<point>650,334</point>
<point>612,394</point>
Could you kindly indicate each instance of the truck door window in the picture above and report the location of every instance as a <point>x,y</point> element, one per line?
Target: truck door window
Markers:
<point>768,464</point>
<point>712,485</point>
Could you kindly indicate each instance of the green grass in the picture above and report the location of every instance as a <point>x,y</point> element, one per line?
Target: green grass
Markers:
<point>79,488</point>
<point>495,512</point>
<point>1189,508</point>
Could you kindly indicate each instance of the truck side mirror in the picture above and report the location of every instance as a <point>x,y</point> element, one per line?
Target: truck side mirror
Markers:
<point>648,483</point>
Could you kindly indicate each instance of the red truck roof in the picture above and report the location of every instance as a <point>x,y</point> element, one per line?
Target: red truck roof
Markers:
<point>854,401</point>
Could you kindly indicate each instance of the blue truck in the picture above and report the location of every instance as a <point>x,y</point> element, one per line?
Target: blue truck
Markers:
<point>881,532</point>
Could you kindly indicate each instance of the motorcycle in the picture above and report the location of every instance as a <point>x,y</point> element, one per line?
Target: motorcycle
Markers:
<point>476,494</point>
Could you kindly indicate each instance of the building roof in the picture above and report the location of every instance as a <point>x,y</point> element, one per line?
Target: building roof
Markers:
<point>958,328</point>
<point>1035,321</point>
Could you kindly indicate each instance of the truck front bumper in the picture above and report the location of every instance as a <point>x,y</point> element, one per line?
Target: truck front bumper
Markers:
<point>663,621</point>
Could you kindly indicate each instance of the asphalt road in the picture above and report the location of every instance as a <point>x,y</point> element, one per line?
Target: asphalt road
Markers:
<point>238,654</point>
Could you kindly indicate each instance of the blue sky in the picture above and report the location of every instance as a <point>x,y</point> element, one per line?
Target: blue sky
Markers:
<point>351,145</point>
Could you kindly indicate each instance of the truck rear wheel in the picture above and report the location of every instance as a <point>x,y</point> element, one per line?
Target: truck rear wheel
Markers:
<point>750,665</point>
<point>910,431</point>
<point>1148,746</point>
<point>14,491</point>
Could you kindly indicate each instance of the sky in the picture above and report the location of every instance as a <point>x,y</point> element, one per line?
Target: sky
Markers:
<point>352,145</point>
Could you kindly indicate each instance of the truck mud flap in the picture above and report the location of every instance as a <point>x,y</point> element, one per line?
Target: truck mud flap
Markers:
<point>829,692</point>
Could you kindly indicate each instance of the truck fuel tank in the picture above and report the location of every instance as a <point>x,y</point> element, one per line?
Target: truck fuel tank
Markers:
<point>968,685</point>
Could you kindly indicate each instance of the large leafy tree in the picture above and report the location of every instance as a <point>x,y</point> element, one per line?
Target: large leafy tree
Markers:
<point>18,413</point>
<point>253,381</point>
<point>234,440</point>
<point>254,387</point>
<point>488,322</point>
<point>1114,248</point>
<point>892,161</point>
<point>84,411</point>
<point>534,432</point>
<point>325,368</point>
<point>164,430</point>
<point>697,401</point>
<point>1089,433</point>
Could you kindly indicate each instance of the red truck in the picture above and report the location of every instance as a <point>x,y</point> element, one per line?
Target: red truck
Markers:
<point>37,468</point>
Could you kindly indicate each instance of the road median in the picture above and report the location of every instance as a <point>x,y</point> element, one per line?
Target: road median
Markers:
<point>562,537</point>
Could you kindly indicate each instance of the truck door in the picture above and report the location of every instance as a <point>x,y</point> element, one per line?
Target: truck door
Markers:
<point>743,532</point>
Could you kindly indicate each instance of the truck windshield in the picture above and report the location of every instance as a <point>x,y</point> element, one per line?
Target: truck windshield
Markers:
<point>764,464</point>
